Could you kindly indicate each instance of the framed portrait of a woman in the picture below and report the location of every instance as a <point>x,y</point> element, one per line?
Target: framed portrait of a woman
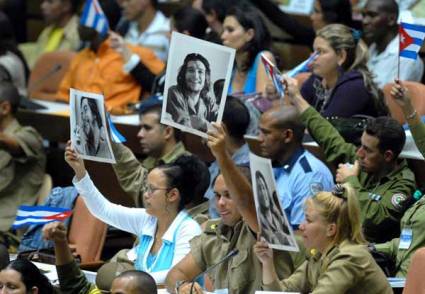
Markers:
<point>89,132</point>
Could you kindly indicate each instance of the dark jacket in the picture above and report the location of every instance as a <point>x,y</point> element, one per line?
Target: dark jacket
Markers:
<point>347,98</point>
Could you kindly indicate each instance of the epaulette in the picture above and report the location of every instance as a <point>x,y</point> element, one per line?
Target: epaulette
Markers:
<point>212,225</point>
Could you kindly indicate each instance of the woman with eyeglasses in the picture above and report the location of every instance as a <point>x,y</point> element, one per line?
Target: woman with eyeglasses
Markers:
<point>163,225</point>
<point>340,261</point>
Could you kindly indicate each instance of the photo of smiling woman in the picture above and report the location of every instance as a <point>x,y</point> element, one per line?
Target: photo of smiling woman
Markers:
<point>189,102</point>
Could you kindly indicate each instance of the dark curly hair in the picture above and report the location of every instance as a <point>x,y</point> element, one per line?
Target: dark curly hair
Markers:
<point>181,77</point>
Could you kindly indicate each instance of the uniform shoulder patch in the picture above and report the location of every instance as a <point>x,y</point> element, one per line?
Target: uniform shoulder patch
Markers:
<point>316,187</point>
<point>398,200</point>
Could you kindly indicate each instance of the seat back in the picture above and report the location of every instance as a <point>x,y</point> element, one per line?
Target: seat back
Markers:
<point>47,74</point>
<point>86,233</point>
<point>45,189</point>
<point>417,93</point>
<point>415,283</point>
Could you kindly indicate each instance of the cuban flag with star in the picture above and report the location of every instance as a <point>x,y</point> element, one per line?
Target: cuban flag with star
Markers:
<point>38,215</point>
<point>411,39</point>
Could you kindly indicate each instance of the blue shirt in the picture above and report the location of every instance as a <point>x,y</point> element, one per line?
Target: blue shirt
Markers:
<point>240,157</point>
<point>300,177</point>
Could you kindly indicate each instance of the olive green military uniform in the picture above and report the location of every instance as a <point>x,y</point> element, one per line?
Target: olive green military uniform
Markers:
<point>21,176</point>
<point>382,201</point>
<point>242,273</point>
<point>418,133</point>
<point>132,173</point>
<point>199,212</point>
<point>347,268</point>
<point>413,221</point>
<point>73,281</point>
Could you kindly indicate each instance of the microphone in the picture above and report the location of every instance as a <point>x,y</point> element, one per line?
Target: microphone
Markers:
<point>228,256</point>
<point>56,68</point>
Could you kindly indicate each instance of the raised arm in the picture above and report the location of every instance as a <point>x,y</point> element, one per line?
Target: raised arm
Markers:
<point>124,218</point>
<point>71,278</point>
<point>328,138</point>
<point>401,96</point>
<point>239,187</point>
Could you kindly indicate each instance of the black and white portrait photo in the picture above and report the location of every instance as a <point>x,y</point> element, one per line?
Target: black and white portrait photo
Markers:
<point>89,134</point>
<point>273,223</point>
<point>197,74</point>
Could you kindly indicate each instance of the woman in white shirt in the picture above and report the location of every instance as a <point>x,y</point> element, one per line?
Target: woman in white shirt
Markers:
<point>163,225</point>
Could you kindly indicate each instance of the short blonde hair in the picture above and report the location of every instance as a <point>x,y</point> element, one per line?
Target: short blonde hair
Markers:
<point>342,208</point>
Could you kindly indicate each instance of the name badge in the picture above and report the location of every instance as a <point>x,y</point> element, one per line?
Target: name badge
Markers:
<point>405,238</point>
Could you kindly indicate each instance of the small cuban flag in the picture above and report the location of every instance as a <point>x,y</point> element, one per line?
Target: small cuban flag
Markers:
<point>37,215</point>
<point>411,39</point>
<point>115,134</point>
<point>304,66</point>
<point>274,73</point>
<point>93,17</point>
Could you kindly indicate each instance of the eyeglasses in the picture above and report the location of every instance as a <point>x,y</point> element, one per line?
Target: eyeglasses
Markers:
<point>150,190</point>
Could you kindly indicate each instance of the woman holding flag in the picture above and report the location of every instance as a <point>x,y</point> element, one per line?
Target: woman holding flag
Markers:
<point>163,225</point>
<point>341,85</point>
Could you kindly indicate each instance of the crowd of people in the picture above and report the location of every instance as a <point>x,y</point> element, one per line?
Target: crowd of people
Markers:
<point>199,225</point>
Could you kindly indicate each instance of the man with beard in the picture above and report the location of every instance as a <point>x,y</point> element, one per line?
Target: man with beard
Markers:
<point>91,136</point>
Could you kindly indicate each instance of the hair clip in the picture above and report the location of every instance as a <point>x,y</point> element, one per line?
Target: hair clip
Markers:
<point>356,35</point>
<point>339,191</point>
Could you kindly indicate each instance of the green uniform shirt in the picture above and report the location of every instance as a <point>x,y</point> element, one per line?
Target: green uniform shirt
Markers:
<point>242,273</point>
<point>21,176</point>
<point>132,173</point>
<point>73,281</point>
<point>413,219</point>
<point>347,268</point>
<point>418,133</point>
<point>382,202</point>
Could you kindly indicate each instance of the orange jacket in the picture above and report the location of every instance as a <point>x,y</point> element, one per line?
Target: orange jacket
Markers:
<point>103,73</point>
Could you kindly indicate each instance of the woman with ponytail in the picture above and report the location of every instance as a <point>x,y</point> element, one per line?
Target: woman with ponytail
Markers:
<point>341,84</point>
<point>340,261</point>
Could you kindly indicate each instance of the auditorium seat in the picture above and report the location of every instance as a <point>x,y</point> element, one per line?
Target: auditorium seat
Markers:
<point>415,283</point>
<point>417,92</point>
<point>87,235</point>
<point>47,74</point>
